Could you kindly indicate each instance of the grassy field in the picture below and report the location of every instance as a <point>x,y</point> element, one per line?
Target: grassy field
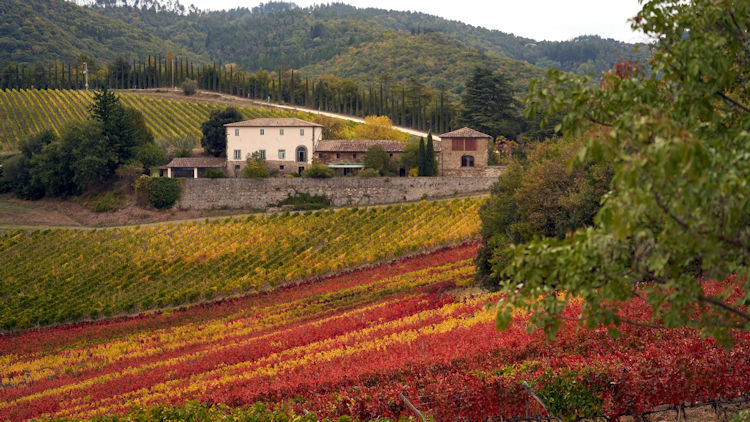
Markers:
<point>24,112</point>
<point>64,275</point>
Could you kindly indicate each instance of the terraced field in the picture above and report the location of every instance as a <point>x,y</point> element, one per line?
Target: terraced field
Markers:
<point>27,111</point>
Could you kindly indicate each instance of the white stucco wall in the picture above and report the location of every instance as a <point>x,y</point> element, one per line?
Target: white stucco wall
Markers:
<point>250,140</point>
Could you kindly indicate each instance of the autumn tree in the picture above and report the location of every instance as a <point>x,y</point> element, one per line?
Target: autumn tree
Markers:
<point>677,212</point>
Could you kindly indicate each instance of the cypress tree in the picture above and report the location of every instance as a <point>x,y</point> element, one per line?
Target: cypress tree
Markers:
<point>430,163</point>
<point>421,162</point>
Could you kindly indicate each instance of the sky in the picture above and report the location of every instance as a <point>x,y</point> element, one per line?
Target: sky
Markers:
<point>553,20</point>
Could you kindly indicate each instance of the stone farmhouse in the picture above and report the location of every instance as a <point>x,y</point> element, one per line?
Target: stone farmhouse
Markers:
<point>347,157</point>
<point>290,145</point>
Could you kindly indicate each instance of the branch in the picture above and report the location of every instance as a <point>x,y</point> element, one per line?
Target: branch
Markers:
<point>722,305</point>
<point>733,101</point>
<point>593,120</point>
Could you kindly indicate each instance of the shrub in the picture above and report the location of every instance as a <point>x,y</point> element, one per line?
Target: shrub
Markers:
<point>160,192</point>
<point>189,87</point>
<point>107,202</point>
<point>368,173</point>
<point>164,192</point>
<point>318,171</point>
<point>256,168</point>
<point>215,174</point>
<point>305,201</point>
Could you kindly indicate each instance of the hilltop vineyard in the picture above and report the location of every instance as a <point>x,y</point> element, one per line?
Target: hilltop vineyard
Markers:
<point>27,111</point>
<point>63,275</point>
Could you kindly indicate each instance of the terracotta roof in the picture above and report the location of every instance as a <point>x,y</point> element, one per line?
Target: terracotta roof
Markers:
<point>199,162</point>
<point>273,122</point>
<point>465,132</point>
<point>362,146</point>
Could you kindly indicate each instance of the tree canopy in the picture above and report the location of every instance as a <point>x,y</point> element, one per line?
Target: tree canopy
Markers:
<point>214,139</point>
<point>488,106</point>
<point>678,210</point>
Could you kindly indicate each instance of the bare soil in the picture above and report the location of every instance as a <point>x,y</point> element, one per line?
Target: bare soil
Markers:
<point>49,212</point>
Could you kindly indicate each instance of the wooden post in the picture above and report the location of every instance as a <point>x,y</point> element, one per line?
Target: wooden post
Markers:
<point>537,398</point>
<point>413,409</point>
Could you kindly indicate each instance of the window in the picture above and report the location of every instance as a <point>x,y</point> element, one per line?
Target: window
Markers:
<point>301,154</point>
<point>262,154</point>
<point>236,132</point>
<point>237,154</point>
<point>262,132</point>
<point>470,144</point>
<point>338,155</point>
<point>281,167</point>
<point>281,131</point>
<point>457,144</point>
<point>282,154</point>
<point>355,155</point>
<point>302,132</point>
<point>467,161</point>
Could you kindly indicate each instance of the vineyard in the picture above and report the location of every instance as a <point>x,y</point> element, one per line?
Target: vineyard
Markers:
<point>60,275</point>
<point>351,344</point>
<point>27,111</point>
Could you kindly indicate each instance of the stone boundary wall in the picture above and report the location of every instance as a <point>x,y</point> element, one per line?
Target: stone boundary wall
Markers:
<point>201,194</point>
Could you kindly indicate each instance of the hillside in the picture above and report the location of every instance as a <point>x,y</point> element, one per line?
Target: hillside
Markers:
<point>405,57</point>
<point>87,274</point>
<point>353,345</point>
<point>282,36</point>
<point>42,31</point>
<point>24,112</point>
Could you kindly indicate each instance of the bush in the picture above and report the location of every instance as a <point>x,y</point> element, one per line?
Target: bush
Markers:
<point>189,87</point>
<point>318,171</point>
<point>215,174</point>
<point>368,173</point>
<point>164,192</point>
<point>256,169</point>
<point>107,202</point>
<point>305,201</point>
<point>160,192</point>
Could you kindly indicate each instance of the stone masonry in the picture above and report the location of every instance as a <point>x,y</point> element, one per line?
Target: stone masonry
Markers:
<point>344,191</point>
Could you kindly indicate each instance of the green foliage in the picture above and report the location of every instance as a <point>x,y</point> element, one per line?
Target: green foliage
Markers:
<point>567,396</point>
<point>200,412</point>
<point>318,171</point>
<point>741,416</point>
<point>488,105</point>
<point>214,139</point>
<point>540,197</point>
<point>189,86</point>
<point>430,164</point>
<point>677,210</point>
<point>164,192</point>
<point>305,201</point>
<point>149,155</point>
<point>378,160</point>
<point>107,201</point>
<point>159,192</point>
<point>368,173</point>
<point>256,167</point>
<point>215,174</point>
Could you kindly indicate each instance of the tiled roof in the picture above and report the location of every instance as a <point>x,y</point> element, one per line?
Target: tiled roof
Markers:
<point>273,122</point>
<point>465,132</point>
<point>362,146</point>
<point>199,162</point>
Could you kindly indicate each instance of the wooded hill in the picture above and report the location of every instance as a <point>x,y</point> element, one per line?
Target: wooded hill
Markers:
<point>281,36</point>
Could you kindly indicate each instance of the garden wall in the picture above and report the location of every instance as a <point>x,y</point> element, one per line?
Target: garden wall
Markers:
<point>343,191</point>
